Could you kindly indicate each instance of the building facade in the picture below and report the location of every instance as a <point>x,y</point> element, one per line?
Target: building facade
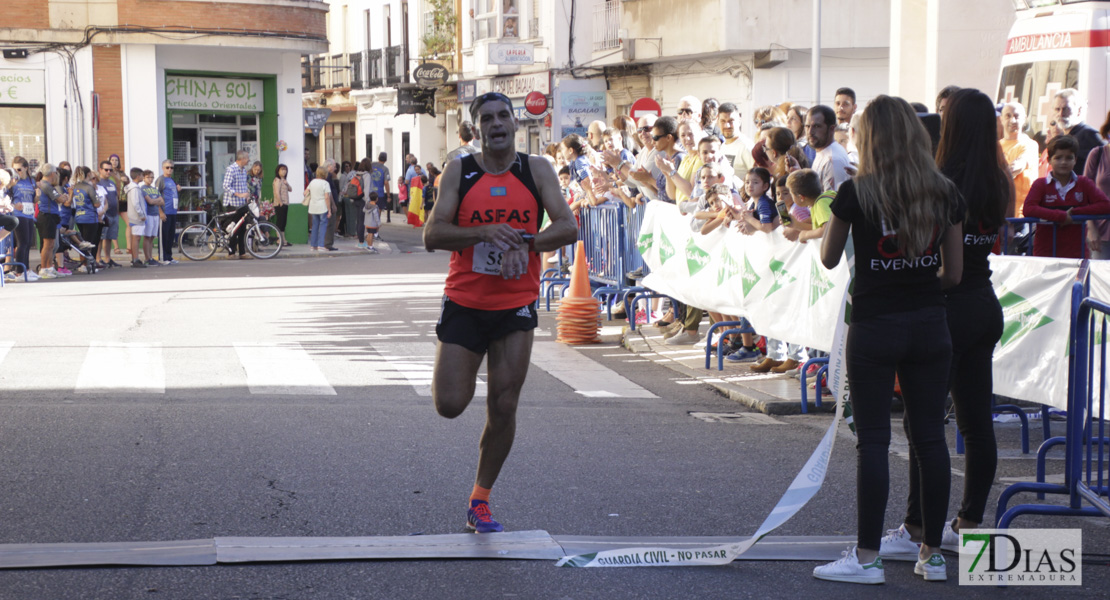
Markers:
<point>149,80</point>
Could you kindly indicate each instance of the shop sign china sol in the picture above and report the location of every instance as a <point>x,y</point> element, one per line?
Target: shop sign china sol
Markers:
<point>185,92</point>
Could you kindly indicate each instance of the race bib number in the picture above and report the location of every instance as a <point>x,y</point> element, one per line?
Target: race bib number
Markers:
<point>28,209</point>
<point>487,259</point>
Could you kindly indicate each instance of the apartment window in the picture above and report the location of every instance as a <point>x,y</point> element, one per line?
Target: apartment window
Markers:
<point>388,26</point>
<point>485,19</point>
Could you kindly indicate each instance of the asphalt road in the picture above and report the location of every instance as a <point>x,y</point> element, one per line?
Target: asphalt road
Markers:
<point>217,453</point>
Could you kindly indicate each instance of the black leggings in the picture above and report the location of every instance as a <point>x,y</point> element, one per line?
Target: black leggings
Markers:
<point>975,326</point>
<point>360,219</point>
<point>915,345</point>
<point>9,222</point>
<point>24,241</point>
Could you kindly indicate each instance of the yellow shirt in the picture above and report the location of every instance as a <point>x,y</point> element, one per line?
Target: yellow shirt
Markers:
<point>687,169</point>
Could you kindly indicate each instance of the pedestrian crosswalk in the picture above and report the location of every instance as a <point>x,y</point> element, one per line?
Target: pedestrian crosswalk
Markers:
<point>271,368</point>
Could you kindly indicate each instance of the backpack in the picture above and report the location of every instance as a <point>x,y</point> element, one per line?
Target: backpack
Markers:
<point>354,188</point>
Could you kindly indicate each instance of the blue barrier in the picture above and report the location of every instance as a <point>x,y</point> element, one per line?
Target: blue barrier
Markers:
<point>824,362</point>
<point>1086,444</point>
<point>1032,224</point>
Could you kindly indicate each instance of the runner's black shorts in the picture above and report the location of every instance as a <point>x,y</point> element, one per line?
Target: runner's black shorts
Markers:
<point>48,225</point>
<point>474,329</point>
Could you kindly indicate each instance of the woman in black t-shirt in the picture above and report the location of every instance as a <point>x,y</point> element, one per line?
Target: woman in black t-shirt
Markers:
<point>968,155</point>
<point>905,219</point>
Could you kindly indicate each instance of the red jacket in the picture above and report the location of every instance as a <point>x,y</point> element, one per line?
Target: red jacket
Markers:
<point>1044,202</point>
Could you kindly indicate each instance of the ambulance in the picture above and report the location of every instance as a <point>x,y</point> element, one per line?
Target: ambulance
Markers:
<point>1057,44</point>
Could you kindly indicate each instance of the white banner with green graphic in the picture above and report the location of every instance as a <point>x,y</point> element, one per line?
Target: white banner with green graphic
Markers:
<point>1031,359</point>
<point>779,285</point>
<point>783,289</point>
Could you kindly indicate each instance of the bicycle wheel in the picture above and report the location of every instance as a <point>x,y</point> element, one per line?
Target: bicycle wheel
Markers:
<point>263,240</point>
<point>198,242</point>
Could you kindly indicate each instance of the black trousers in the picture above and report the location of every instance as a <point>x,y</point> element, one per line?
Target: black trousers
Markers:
<point>281,215</point>
<point>975,326</point>
<point>169,236</point>
<point>916,346</point>
<point>237,239</point>
<point>24,241</point>
<point>360,219</point>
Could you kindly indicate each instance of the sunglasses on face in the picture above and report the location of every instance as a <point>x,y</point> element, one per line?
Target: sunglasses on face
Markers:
<point>659,137</point>
<point>644,129</point>
<point>685,111</point>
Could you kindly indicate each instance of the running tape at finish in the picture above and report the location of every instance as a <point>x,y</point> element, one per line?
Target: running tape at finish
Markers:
<point>805,486</point>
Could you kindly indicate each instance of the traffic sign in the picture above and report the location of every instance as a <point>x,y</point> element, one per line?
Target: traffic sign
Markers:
<point>645,106</point>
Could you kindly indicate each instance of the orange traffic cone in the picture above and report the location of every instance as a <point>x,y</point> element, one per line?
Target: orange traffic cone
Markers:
<point>578,319</point>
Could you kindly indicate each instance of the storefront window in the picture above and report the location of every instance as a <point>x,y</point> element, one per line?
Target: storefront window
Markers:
<point>203,146</point>
<point>23,133</point>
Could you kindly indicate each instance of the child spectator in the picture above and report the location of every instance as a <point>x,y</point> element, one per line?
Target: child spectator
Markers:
<point>797,212</point>
<point>151,227</point>
<point>372,220</point>
<point>1057,197</point>
<point>760,216</point>
<point>805,187</point>
<point>136,214</point>
<point>402,193</point>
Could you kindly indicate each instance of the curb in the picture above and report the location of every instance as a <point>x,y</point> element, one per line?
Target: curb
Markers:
<point>752,398</point>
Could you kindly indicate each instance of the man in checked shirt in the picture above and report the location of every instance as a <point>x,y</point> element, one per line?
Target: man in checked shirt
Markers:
<point>236,195</point>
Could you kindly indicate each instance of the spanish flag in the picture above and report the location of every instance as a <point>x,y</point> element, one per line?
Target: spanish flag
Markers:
<point>416,206</point>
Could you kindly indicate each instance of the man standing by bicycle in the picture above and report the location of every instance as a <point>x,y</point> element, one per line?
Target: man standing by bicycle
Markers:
<point>488,214</point>
<point>236,194</point>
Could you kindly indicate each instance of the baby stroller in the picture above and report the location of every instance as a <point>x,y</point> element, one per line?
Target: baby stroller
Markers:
<point>75,251</point>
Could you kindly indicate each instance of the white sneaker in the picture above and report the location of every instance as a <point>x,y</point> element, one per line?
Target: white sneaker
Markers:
<point>47,274</point>
<point>10,277</point>
<point>949,539</point>
<point>849,570</point>
<point>32,276</point>
<point>682,339</point>
<point>932,569</point>
<point>897,545</point>
<point>82,269</point>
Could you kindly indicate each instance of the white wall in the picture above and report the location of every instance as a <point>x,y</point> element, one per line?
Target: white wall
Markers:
<point>68,122</point>
<point>144,112</point>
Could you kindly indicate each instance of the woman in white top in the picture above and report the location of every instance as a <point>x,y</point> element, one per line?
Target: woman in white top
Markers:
<point>317,197</point>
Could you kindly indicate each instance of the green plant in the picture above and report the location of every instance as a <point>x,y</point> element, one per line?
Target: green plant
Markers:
<point>441,38</point>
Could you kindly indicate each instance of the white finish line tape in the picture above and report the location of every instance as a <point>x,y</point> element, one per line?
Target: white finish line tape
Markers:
<point>805,486</point>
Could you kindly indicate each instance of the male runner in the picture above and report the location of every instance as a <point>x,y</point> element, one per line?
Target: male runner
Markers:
<point>488,214</point>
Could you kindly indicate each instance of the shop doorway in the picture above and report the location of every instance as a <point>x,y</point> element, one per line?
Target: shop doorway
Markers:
<point>220,147</point>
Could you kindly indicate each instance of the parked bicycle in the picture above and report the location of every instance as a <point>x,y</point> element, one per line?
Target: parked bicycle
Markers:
<point>262,239</point>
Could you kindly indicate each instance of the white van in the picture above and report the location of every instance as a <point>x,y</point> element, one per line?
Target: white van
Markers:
<point>1057,44</point>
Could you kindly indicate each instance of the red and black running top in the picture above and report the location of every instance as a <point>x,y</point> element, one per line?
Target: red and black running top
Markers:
<point>474,279</point>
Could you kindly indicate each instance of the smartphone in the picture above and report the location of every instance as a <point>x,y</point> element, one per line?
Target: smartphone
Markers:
<point>784,213</point>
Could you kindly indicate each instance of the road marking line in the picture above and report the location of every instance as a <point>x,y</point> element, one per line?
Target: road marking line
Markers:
<point>134,368</point>
<point>415,361</point>
<point>5,347</point>
<point>583,374</point>
<point>282,369</point>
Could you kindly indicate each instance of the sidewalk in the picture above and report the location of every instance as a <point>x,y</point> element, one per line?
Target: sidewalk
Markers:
<point>766,392</point>
<point>399,238</point>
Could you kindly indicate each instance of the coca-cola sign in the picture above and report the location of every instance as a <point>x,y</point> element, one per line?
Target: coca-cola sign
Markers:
<point>535,103</point>
<point>430,75</point>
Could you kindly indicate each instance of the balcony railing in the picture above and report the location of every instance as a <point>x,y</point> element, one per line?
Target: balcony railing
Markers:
<point>367,69</point>
<point>607,24</point>
<point>395,63</point>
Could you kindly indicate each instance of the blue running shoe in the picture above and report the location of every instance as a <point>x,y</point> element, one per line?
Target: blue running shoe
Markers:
<point>479,519</point>
<point>743,354</point>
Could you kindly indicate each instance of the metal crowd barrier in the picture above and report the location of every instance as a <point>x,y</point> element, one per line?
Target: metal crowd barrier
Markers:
<point>1027,226</point>
<point>1086,445</point>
